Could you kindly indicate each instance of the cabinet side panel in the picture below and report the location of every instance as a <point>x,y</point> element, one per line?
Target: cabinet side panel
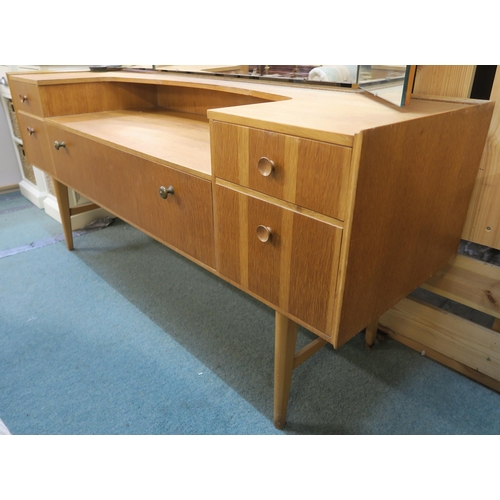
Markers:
<point>414,183</point>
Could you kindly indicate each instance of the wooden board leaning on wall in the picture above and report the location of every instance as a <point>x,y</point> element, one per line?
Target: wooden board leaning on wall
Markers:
<point>483,220</point>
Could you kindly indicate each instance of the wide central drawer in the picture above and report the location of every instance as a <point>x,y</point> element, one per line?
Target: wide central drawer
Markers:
<point>311,174</point>
<point>286,258</point>
<point>137,190</point>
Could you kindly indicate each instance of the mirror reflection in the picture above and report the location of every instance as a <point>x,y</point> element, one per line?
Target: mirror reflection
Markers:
<point>391,83</point>
<point>333,74</point>
<point>387,82</point>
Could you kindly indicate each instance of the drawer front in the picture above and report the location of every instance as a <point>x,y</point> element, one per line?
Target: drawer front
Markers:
<point>128,186</point>
<point>308,173</point>
<point>26,97</point>
<point>286,258</point>
<point>35,142</point>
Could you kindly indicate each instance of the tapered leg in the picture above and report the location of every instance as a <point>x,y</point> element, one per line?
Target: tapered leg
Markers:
<point>371,334</point>
<point>64,211</point>
<point>286,338</point>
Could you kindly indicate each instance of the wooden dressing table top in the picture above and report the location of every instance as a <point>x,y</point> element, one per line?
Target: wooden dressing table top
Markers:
<point>324,114</point>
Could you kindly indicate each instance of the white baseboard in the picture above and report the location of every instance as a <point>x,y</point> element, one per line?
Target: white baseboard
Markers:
<point>32,193</point>
<point>77,221</point>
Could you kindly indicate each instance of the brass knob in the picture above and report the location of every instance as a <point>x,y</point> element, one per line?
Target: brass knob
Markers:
<point>58,145</point>
<point>164,192</point>
<point>264,233</point>
<point>30,130</point>
<point>23,98</point>
<point>265,166</point>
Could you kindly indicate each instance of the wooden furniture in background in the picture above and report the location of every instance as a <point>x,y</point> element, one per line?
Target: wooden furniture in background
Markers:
<point>444,81</point>
<point>328,206</point>
<point>460,343</point>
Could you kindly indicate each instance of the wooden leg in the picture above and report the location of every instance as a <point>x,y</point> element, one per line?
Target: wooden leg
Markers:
<point>371,334</point>
<point>286,338</point>
<point>64,210</point>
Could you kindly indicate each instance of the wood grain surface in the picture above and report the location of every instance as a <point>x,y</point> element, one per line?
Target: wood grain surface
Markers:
<point>461,340</point>
<point>128,186</point>
<point>173,139</point>
<point>296,270</point>
<point>413,187</point>
<point>483,219</point>
<point>36,143</point>
<point>308,173</point>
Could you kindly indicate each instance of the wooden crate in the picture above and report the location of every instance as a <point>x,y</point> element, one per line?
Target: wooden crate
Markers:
<point>463,345</point>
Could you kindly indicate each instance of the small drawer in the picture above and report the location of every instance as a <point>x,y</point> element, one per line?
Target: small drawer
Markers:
<point>311,174</point>
<point>288,259</point>
<point>131,188</point>
<point>25,97</point>
<point>35,141</point>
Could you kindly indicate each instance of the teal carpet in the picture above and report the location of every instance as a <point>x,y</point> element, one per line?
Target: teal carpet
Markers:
<point>124,336</point>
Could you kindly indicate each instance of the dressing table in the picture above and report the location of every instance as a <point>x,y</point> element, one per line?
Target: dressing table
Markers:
<point>327,205</point>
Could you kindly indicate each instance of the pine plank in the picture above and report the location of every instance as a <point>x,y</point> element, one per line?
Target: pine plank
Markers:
<point>470,282</point>
<point>483,219</point>
<point>459,339</point>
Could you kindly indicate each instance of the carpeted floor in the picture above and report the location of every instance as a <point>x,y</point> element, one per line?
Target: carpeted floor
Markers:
<point>124,336</point>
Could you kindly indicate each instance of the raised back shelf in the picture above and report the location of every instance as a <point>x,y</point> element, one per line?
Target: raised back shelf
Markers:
<point>167,124</point>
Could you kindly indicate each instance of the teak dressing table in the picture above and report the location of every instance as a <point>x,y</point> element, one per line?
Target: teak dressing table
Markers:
<point>327,205</point>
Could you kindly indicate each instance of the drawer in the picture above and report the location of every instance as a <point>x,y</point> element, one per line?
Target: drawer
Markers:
<point>311,174</point>
<point>288,259</point>
<point>129,186</point>
<point>35,141</point>
<point>25,97</point>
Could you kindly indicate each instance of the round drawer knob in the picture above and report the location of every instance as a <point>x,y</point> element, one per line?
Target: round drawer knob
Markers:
<point>265,166</point>
<point>23,98</point>
<point>264,233</point>
<point>30,130</point>
<point>164,192</point>
<point>58,145</point>
<point>3,81</point>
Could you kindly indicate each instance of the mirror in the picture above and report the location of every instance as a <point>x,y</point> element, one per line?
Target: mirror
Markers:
<point>391,83</point>
<point>313,73</point>
<point>386,82</point>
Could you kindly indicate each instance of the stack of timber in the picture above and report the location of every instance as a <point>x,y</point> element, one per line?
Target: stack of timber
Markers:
<point>468,347</point>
